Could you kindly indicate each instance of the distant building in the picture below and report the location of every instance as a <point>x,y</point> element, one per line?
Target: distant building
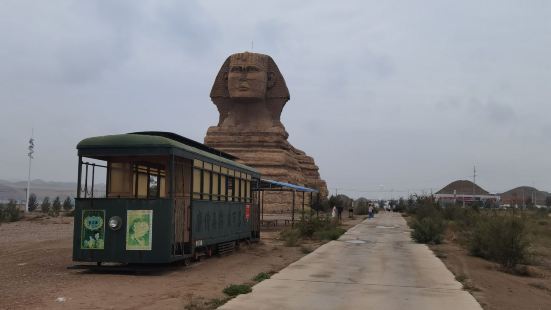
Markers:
<point>464,192</point>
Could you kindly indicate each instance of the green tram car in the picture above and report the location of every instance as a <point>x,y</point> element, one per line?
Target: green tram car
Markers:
<point>166,198</point>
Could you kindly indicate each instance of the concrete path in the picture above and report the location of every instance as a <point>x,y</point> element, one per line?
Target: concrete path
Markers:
<point>375,265</point>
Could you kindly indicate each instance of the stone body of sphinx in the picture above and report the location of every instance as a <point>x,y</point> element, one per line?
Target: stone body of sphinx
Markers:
<point>250,93</point>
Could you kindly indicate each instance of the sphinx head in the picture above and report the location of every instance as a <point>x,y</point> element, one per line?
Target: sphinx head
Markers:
<point>248,77</point>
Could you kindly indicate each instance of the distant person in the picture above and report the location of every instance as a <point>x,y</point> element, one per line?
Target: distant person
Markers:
<point>339,212</point>
<point>334,212</point>
<point>370,212</point>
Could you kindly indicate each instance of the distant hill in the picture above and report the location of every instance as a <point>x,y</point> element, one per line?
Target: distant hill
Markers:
<point>516,195</point>
<point>17,190</point>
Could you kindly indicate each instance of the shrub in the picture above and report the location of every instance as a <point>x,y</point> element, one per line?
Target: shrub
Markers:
<point>453,213</point>
<point>33,202</point>
<point>56,207</point>
<point>427,210</point>
<point>10,212</point>
<point>310,225</point>
<point>503,239</point>
<point>290,237</point>
<point>329,234</point>
<point>237,289</point>
<point>46,205</point>
<point>261,277</point>
<point>361,210</point>
<point>320,228</point>
<point>428,230</point>
<point>67,204</point>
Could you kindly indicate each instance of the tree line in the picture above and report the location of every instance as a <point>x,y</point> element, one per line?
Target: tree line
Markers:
<point>51,208</point>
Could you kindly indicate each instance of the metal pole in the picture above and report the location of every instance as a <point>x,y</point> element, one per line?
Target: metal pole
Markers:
<point>28,186</point>
<point>293,212</point>
<point>302,207</point>
<point>93,177</point>
<point>79,176</point>
<point>262,204</point>
<point>311,204</point>
<point>86,182</point>
<point>30,154</point>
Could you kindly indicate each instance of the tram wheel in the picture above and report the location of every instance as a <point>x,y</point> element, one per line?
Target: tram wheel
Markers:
<point>187,261</point>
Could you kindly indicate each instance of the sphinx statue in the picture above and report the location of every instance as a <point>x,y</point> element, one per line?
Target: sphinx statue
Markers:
<point>250,92</point>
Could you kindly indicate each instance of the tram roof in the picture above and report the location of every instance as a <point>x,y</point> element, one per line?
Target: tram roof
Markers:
<point>154,140</point>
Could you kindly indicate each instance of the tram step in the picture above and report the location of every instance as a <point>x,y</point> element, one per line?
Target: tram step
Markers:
<point>226,247</point>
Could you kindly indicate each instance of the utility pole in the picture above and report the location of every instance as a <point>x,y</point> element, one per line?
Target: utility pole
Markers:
<point>474,180</point>
<point>30,154</point>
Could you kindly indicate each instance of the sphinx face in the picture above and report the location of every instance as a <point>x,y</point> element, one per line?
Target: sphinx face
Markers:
<point>247,80</point>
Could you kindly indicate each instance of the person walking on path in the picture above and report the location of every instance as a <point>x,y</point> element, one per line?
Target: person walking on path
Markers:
<point>370,212</point>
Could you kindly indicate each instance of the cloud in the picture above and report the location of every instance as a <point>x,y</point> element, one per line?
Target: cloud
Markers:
<point>375,86</point>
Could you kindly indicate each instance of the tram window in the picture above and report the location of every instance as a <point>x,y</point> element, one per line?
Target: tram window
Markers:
<point>206,185</point>
<point>243,190</point>
<point>120,180</point>
<point>208,166</point>
<point>237,194</point>
<point>230,184</point>
<point>248,183</point>
<point>223,187</point>
<point>215,185</point>
<point>197,163</point>
<point>140,181</point>
<point>224,170</point>
<point>154,185</point>
<point>149,182</point>
<point>196,183</point>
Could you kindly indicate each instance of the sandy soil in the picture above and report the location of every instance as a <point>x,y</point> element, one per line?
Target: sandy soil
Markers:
<point>494,289</point>
<point>35,254</point>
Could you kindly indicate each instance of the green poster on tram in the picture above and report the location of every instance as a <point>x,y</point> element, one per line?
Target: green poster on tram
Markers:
<point>139,229</point>
<point>93,230</point>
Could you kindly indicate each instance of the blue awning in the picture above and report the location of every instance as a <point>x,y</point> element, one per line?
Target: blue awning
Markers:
<point>277,185</point>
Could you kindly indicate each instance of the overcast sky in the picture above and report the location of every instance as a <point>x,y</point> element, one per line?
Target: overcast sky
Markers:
<point>385,95</point>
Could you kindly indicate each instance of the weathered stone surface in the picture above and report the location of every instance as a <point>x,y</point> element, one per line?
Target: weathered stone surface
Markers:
<point>250,93</point>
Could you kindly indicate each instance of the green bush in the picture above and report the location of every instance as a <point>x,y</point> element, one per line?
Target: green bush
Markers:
<point>290,237</point>
<point>427,210</point>
<point>503,239</point>
<point>67,204</point>
<point>10,212</point>
<point>310,225</point>
<point>33,202</point>
<point>361,210</point>
<point>46,205</point>
<point>56,207</point>
<point>329,234</point>
<point>261,277</point>
<point>237,289</point>
<point>319,228</point>
<point>428,230</point>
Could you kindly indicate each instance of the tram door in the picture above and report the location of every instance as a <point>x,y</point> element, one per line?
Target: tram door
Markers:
<point>182,200</point>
